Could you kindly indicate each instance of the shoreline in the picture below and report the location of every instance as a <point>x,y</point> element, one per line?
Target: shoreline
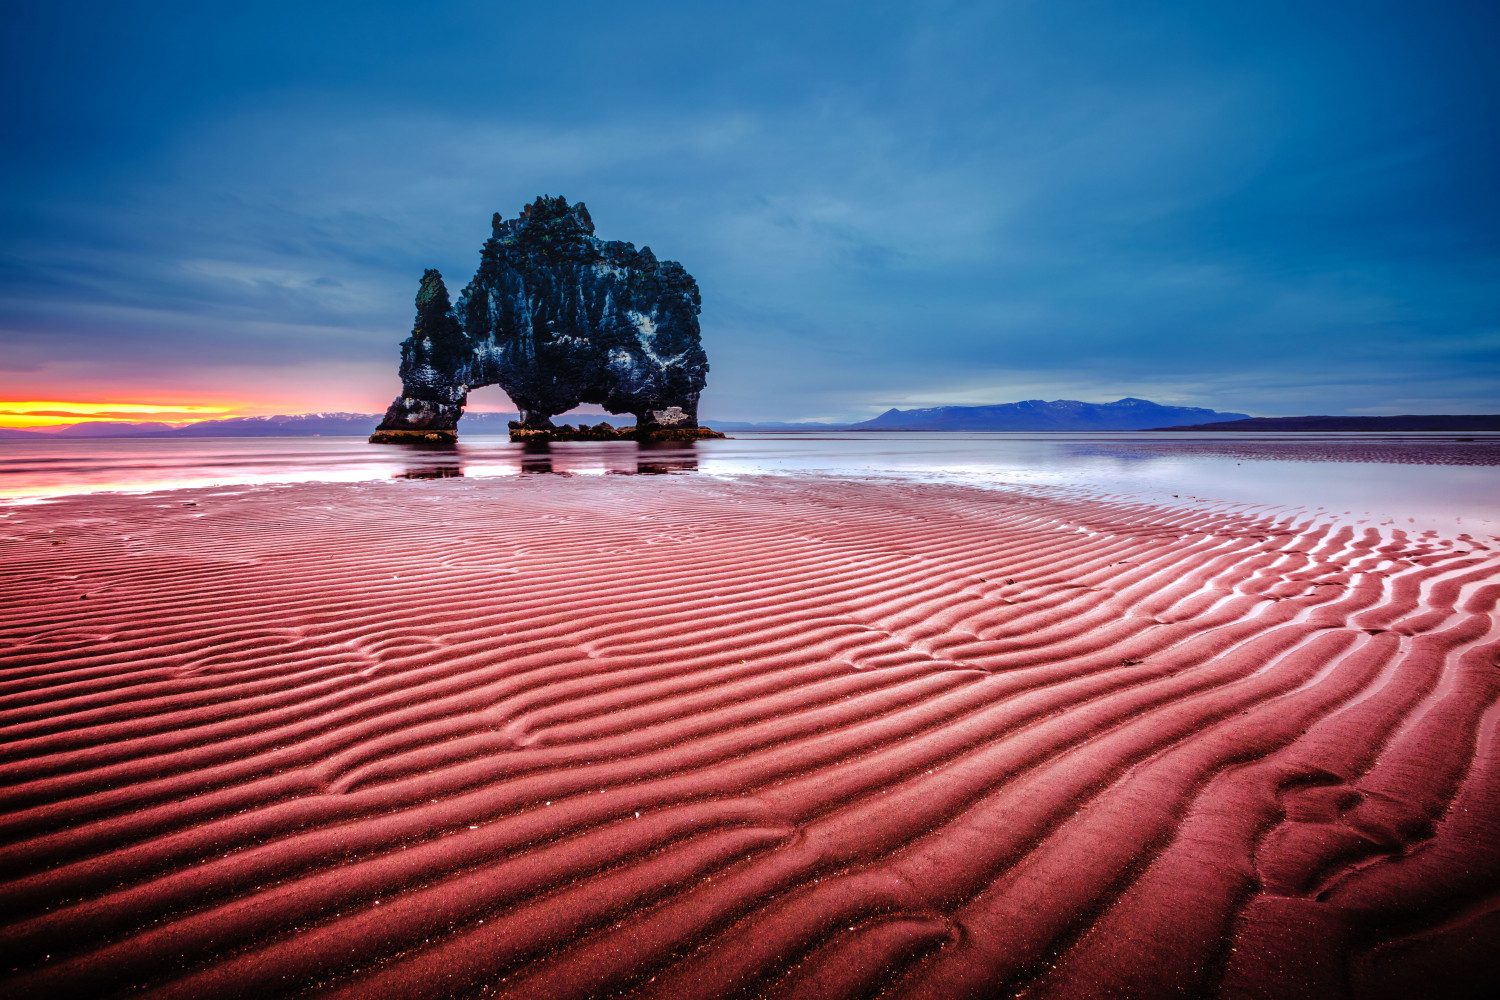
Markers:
<point>566,735</point>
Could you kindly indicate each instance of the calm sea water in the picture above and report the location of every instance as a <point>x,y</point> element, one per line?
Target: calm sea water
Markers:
<point>1447,482</point>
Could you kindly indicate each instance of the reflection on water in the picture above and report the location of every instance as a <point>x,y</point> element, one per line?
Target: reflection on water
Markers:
<point>1441,479</point>
<point>536,456</point>
<point>654,458</point>
<point>431,461</point>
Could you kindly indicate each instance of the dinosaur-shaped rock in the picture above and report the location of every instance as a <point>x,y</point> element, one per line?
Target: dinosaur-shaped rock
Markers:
<point>556,317</point>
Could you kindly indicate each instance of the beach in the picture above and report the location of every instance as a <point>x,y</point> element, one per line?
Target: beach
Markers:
<point>741,736</point>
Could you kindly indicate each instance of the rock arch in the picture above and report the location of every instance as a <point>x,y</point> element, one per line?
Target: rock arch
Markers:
<point>556,317</point>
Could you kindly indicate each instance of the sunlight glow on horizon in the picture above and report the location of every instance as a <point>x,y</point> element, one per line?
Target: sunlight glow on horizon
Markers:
<point>41,414</point>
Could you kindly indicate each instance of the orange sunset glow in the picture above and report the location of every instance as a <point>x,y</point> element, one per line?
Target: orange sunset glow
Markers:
<point>41,414</point>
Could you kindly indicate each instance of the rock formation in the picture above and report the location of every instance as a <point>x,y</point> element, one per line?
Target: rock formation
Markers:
<point>556,317</point>
<point>435,361</point>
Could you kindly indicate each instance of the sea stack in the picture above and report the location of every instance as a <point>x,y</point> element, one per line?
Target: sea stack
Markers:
<point>556,317</point>
<point>432,397</point>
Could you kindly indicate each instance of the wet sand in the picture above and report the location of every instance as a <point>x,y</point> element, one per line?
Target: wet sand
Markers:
<point>673,736</point>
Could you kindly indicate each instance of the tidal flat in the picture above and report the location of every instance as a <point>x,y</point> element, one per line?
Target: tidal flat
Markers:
<point>896,715</point>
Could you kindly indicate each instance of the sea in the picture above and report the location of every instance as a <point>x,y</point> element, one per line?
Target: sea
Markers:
<point>1443,482</point>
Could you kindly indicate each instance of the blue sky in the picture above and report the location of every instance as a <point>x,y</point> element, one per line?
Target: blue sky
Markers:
<point>1275,208</point>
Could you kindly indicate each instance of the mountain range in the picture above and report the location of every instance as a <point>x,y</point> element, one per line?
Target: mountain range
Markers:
<point>297,425</point>
<point>1129,414</point>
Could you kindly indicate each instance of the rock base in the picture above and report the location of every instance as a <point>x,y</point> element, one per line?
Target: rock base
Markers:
<point>677,434</point>
<point>606,432</point>
<point>427,436</point>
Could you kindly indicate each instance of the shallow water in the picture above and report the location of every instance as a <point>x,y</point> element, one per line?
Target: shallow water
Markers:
<point>1448,482</point>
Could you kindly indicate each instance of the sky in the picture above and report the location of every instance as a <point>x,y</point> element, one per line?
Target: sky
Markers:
<point>1274,208</point>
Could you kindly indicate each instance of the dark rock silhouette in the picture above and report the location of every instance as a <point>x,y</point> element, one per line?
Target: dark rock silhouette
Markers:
<point>434,361</point>
<point>556,317</point>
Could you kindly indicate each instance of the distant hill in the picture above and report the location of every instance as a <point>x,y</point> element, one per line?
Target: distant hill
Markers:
<point>327,425</point>
<point>109,428</point>
<point>1409,422</point>
<point>297,425</point>
<point>1127,414</point>
<point>775,425</point>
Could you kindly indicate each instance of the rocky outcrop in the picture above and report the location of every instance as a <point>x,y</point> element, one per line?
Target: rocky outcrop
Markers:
<point>434,361</point>
<point>556,317</point>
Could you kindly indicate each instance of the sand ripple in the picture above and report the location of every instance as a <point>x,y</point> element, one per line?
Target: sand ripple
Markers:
<point>674,737</point>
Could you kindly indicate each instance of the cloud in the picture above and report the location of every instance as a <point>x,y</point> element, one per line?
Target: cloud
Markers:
<point>913,207</point>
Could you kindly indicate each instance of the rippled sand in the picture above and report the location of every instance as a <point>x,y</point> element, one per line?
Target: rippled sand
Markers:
<point>674,736</point>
